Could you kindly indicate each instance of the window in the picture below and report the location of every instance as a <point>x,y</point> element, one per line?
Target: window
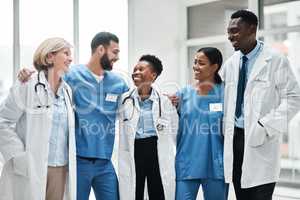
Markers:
<point>47,19</point>
<point>96,16</point>
<point>280,13</point>
<point>43,19</point>
<point>211,18</point>
<point>281,23</point>
<point>207,26</point>
<point>6,44</point>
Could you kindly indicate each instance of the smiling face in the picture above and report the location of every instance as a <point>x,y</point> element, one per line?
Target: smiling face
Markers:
<point>143,74</point>
<point>241,35</point>
<point>110,55</point>
<point>61,59</point>
<point>203,69</point>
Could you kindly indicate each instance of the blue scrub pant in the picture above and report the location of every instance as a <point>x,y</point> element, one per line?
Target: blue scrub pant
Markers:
<point>99,174</point>
<point>213,189</point>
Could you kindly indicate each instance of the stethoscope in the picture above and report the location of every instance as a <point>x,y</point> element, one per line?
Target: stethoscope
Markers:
<point>159,126</point>
<point>43,86</point>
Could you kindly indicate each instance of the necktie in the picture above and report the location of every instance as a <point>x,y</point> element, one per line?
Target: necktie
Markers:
<point>241,88</point>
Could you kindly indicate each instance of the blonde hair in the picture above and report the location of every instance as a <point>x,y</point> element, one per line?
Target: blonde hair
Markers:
<point>50,45</point>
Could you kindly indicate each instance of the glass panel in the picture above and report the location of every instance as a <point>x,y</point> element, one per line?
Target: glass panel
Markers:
<point>6,52</point>
<point>211,18</point>
<point>46,19</point>
<point>96,16</point>
<point>290,46</point>
<point>278,14</point>
<point>6,43</point>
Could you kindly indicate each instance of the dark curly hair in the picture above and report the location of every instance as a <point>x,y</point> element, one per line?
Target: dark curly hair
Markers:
<point>154,62</point>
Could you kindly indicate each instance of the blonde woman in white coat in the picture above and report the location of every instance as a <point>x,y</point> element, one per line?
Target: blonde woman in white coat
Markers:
<point>147,142</point>
<point>37,131</point>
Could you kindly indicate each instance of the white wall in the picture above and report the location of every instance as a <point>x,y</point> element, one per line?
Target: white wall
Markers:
<point>1,163</point>
<point>157,27</point>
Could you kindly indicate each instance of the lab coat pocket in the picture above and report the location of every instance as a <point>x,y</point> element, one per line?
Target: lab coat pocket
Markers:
<point>260,94</point>
<point>258,136</point>
<point>125,164</point>
<point>126,136</point>
<point>21,164</point>
<point>126,177</point>
<point>261,83</point>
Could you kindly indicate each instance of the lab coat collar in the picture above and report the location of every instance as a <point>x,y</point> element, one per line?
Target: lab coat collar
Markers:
<point>153,96</point>
<point>62,86</point>
<point>254,51</point>
<point>260,63</point>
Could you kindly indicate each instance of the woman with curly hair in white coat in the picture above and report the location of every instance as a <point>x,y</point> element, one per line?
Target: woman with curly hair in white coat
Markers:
<point>147,144</point>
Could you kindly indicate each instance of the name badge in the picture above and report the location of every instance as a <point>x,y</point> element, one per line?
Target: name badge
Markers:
<point>111,97</point>
<point>215,107</point>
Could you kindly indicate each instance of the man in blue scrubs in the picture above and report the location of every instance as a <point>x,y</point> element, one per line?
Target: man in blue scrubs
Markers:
<point>96,92</point>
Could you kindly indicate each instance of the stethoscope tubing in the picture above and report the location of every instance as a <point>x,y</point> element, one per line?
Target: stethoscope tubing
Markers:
<point>129,97</point>
<point>39,83</point>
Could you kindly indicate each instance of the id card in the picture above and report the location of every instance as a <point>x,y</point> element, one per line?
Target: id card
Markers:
<point>111,97</point>
<point>215,107</point>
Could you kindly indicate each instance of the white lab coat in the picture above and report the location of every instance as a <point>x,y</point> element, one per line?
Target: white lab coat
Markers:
<point>24,142</point>
<point>272,97</point>
<point>294,138</point>
<point>166,144</point>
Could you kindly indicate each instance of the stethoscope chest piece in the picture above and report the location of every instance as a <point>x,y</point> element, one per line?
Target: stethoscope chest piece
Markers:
<point>160,127</point>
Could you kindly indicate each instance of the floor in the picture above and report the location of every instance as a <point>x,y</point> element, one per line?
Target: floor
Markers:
<point>281,193</point>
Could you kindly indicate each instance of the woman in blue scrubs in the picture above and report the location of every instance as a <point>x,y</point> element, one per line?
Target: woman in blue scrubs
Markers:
<point>199,157</point>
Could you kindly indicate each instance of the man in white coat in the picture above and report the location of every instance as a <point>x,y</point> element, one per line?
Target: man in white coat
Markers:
<point>261,96</point>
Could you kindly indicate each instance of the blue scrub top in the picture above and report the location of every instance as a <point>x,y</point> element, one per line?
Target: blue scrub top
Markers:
<point>200,139</point>
<point>95,114</point>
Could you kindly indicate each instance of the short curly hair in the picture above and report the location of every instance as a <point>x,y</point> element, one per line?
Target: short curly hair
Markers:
<point>154,61</point>
<point>246,16</point>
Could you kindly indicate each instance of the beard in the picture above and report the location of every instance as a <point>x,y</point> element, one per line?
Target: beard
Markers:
<point>106,63</point>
